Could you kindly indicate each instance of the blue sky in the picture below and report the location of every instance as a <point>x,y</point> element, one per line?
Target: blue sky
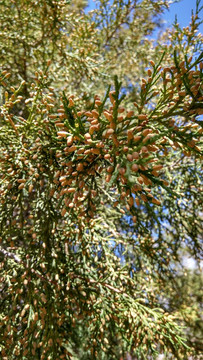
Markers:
<point>182,9</point>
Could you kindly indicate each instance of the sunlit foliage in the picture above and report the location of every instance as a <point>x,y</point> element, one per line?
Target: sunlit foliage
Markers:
<point>100,165</point>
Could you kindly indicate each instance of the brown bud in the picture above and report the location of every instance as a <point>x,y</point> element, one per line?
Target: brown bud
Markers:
<point>135,167</point>
<point>135,155</point>
<point>130,157</point>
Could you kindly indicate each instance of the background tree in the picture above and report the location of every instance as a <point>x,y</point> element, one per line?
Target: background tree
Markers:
<point>100,181</point>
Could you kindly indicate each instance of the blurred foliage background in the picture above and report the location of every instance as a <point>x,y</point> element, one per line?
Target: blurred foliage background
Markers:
<point>100,181</point>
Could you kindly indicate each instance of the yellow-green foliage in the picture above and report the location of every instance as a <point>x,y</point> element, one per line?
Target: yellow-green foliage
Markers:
<point>100,150</point>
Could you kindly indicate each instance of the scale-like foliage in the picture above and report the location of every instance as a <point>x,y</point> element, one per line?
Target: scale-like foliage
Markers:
<point>99,193</point>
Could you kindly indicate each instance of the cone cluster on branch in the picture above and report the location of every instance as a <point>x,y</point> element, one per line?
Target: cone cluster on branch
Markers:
<point>100,176</point>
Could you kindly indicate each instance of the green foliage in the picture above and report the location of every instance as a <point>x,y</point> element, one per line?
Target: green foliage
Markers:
<point>100,153</point>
